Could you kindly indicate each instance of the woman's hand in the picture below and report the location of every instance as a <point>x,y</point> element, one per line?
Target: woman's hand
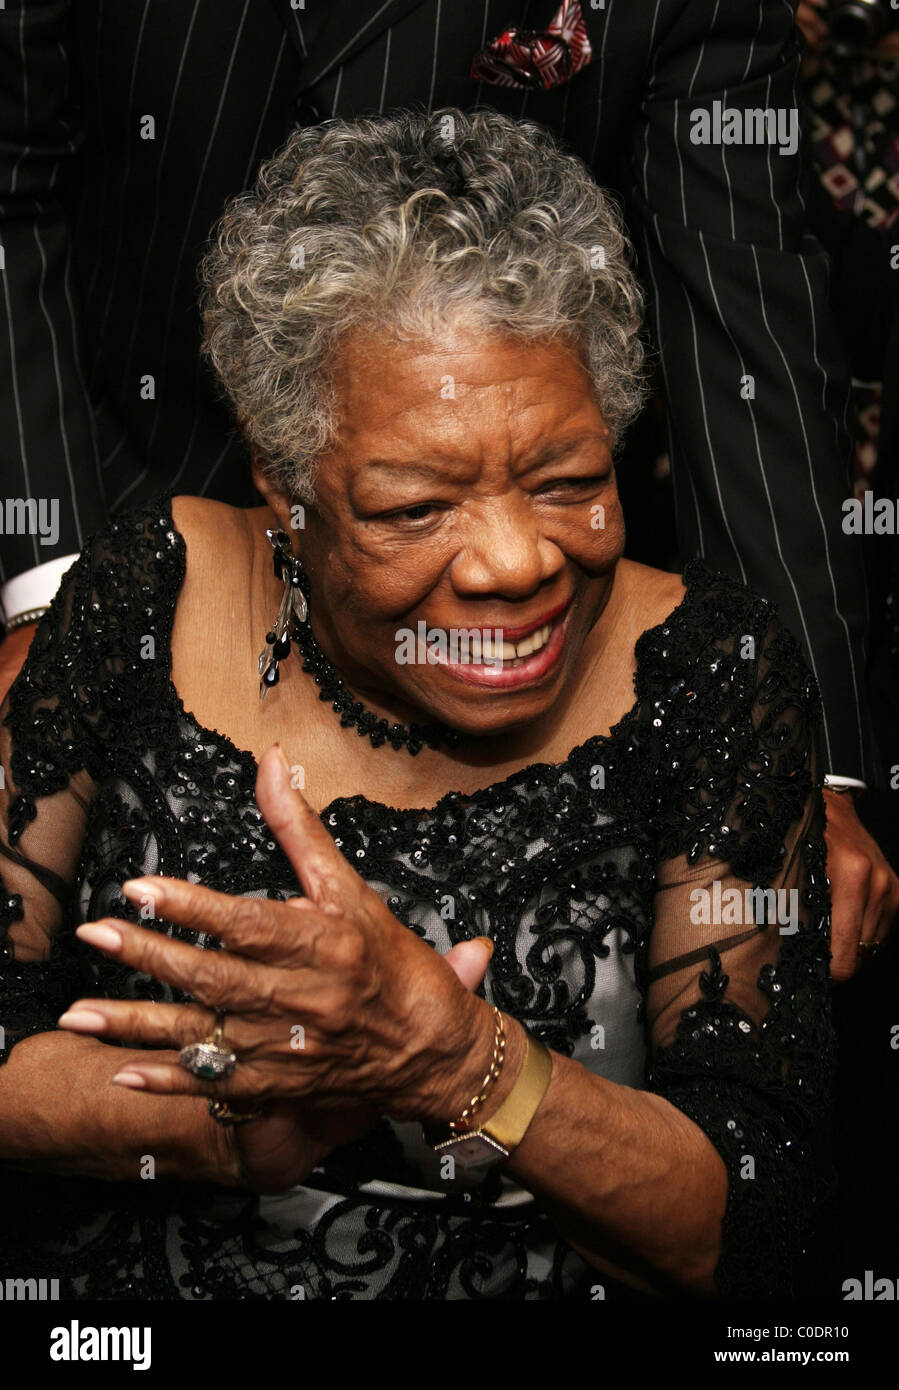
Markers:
<point>327,997</point>
<point>60,1115</point>
<point>280,1149</point>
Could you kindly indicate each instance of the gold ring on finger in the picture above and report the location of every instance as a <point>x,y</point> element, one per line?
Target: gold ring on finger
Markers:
<point>211,1058</point>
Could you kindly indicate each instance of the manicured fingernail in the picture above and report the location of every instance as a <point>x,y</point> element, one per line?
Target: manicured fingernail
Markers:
<point>137,887</point>
<point>107,938</point>
<point>82,1020</point>
<point>129,1078</point>
<point>487,942</point>
<point>282,755</point>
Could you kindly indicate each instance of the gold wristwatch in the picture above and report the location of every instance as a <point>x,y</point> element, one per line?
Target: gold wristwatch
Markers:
<point>499,1136</point>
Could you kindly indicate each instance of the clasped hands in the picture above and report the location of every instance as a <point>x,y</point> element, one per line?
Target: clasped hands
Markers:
<point>388,1026</point>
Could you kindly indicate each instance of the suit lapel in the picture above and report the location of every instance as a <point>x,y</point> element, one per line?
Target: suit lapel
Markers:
<point>329,34</point>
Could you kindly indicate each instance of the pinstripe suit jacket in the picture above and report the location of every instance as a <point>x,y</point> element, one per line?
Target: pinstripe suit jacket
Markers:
<point>125,124</point>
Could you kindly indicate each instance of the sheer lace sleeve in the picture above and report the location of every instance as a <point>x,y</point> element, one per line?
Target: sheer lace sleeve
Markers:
<point>45,753</point>
<point>737,990</point>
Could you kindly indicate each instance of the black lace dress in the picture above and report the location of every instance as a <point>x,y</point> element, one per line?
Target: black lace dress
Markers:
<point>584,874</point>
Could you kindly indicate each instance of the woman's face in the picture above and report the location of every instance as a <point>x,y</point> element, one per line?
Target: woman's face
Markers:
<point>471,488</point>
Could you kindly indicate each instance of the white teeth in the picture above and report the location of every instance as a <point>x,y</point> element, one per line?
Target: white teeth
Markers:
<point>483,648</point>
<point>489,648</point>
<point>513,653</point>
<point>534,641</point>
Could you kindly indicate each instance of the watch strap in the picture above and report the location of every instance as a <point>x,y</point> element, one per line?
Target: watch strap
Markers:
<point>508,1125</point>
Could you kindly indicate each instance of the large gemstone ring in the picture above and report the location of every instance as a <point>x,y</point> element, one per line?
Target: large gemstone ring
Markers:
<point>209,1059</point>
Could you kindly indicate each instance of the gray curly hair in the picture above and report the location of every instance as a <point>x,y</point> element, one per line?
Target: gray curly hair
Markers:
<point>402,221</point>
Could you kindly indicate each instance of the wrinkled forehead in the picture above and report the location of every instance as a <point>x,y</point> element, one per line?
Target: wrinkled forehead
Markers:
<point>467,391</point>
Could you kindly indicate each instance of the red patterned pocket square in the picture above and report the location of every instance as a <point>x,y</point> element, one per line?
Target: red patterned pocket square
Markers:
<point>537,57</point>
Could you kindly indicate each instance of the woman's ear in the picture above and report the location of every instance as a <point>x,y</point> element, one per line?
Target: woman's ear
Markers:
<point>274,495</point>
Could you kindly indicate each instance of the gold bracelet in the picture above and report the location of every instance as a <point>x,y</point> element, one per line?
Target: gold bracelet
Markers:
<point>222,1113</point>
<point>496,1063</point>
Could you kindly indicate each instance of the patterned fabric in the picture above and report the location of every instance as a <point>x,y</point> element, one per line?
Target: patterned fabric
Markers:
<point>854,127</point>
<point>582,873</point>
<point>525,58</point>
<point>855,134</point>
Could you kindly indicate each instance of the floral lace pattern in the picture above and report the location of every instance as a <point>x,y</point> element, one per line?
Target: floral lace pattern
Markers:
<point>580,872</point>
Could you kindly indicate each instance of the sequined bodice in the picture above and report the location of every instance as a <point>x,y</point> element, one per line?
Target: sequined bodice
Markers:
<point>580,872</point>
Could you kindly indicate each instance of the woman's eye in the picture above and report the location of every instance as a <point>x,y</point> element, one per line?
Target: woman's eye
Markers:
<point>416,513</point>
<point>569,483</point>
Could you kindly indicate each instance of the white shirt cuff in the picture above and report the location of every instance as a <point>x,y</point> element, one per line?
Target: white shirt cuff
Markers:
<point>34,589</point>
<point>838,783</point>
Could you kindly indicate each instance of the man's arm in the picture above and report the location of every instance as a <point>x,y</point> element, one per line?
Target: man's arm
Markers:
<point>756,379</point>
<point>47,447</point>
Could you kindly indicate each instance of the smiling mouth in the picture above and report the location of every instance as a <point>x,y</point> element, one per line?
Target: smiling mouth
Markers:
<point>508,665</point>
<point>483,648</point>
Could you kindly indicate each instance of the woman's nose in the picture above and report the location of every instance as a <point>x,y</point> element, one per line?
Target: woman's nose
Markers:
<point>504,553</point>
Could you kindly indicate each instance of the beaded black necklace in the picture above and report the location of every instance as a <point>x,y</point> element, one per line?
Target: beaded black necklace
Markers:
<point>292,625</point>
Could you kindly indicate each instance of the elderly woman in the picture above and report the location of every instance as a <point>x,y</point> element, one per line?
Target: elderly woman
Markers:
<point>486,957</point>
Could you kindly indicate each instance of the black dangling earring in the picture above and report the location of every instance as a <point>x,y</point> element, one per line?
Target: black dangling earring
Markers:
<point>293,604</point>
<point>291,625</point>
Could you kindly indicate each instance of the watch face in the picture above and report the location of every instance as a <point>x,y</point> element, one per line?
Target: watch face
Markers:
<point>474,1150</point>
